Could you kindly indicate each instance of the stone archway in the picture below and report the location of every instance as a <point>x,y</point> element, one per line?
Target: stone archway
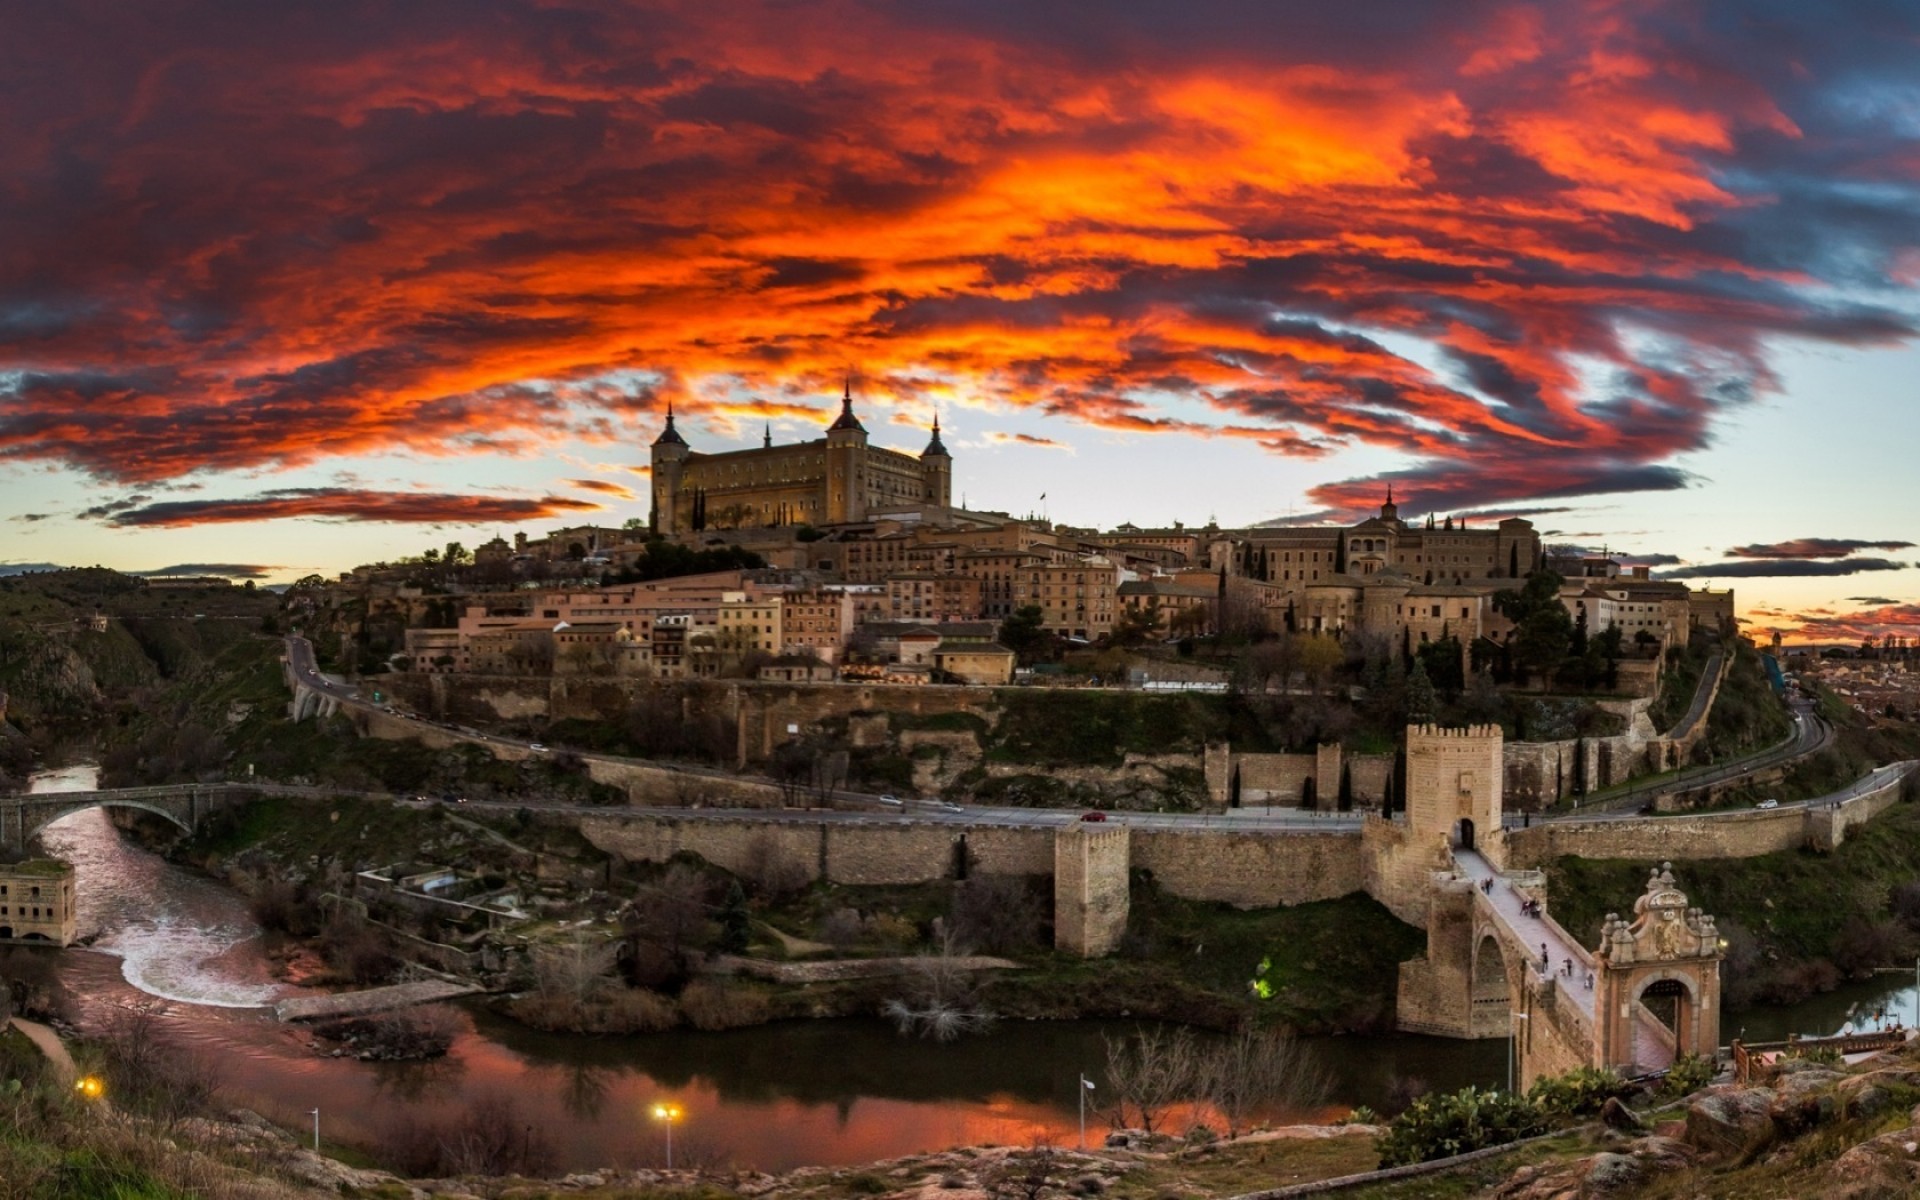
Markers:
<point>1463,834</point>
<point>1490,1000</point>
<point>1658,986</point>
<point>1671,1004</point>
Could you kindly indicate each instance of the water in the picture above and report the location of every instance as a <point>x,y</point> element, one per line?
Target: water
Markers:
<point>772,1097</point>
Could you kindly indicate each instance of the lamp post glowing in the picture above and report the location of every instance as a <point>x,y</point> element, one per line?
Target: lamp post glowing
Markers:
<point>668,1113</point>
<point>89,1087</point>
<point>1513,1034</point>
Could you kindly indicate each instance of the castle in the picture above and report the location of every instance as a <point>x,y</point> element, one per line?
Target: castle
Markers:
<point>832,480</point>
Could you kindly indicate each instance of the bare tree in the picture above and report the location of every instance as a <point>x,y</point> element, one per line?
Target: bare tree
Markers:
<point>943,1000</point>
<point>1151,1070</point>
<point>573,970</point>
<point>1000,914</point>
<point>1256,1070</point>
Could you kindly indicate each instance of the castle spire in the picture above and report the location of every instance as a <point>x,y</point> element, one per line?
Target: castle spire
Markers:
<point>846,419</point>
<point>670,436</point>
<point>768,443</point>
<point>934,446</point>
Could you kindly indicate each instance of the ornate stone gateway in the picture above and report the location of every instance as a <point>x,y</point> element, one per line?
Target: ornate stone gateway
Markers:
<point>1658,981</point>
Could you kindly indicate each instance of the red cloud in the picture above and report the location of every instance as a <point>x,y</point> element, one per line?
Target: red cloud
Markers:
<point>228,241</point>
<point>1801,548</point>
<point>346,504</point>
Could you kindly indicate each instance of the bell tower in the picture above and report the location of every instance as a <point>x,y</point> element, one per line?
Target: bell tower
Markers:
<point>846,464</point>
<point>669,462</point>
<point>936,470</point>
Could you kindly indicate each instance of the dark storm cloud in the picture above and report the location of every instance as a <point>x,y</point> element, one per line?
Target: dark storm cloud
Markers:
<point>229,570</point>
<point>1783,569</point>
<point>348,504</point>
<point>1814,548</point>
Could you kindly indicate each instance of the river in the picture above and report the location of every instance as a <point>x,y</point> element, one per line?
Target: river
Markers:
<point>773,1097</point>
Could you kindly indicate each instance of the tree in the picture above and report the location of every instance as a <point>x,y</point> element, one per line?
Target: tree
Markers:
<point>1025,633</point>
<point>998,914</point>
<point>1260,1069</point>
<point>1151,1070</point>
<point>1422,704</point>
<point>736,924</point>
<point>1543,632</point>
<point>1319,655</point>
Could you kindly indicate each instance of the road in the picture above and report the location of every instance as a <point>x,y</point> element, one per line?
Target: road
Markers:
<point>1810,734</point>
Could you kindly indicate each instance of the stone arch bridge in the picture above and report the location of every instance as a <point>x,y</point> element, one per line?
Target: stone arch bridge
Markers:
<point>1497,963</point>
<point>185,805</point>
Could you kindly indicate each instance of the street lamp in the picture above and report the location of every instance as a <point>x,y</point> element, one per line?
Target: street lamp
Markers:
<point>668,1113</point>
<point>1512,1036</point>
<point>315,1114</point>
<point>1086,1085</point>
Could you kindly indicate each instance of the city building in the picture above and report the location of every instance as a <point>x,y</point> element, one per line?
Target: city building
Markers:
<point>830,480</point>
<point>36,902</point>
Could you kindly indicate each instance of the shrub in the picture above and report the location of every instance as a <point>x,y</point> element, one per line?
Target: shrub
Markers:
<point>1579,1092</point>
<point>710,1005</point>
<point>1689,1073</point>
<point>1457,1122</point>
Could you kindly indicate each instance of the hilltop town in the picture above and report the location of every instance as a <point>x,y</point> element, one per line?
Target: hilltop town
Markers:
<point>834,560</point>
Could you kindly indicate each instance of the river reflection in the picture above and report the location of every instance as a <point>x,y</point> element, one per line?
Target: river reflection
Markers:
<point>773,1097</point>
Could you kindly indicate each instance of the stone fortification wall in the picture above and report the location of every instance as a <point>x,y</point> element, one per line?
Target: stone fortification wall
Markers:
<point>1556,1037</point>
<point>1276,779</point>
<point>1659,839</point>
<point>1371,776</point>
<point>1399,866</point>
<point>730,844</point>
<point>1827,827</point>
<point>843,852</point>
<point>1244,869</point>
<point>1252,870</point>
<point>1091,896</point>
<point>1435,995</point>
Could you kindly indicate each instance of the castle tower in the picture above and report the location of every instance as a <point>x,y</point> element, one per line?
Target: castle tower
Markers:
<point>846,465</point>
<point>669,460</point>
<point>1454,779</point>
<point>1091,866</point>
<point>936,469</point>
<point>1389,511</point>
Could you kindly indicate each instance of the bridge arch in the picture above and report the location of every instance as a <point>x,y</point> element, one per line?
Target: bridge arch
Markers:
<point>48,818</point>
<point>1492,989</point>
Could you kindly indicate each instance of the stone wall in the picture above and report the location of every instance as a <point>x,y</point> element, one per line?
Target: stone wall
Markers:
<point>1371,774</point>
<point>1555,1038</point>
<point>1091,897</point>
<point>1828,827</point>
<point>1276,779</point>
<point>1720,835</point>
<point>1252,870</point>
<point>1399,867</point>
<point>1435,991</point>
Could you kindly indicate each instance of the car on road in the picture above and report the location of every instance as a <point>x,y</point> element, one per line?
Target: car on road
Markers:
<point>1768,804</point>
<point>890,801</point>
<point>1095,815</point>
<point>950,806</point>
<point>536,747</point>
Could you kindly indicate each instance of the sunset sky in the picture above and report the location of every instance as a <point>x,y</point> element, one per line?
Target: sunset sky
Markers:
<point>289,286</point>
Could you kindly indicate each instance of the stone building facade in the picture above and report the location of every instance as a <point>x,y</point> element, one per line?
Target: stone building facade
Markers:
<point>831,480</point>
<point>36,902</point>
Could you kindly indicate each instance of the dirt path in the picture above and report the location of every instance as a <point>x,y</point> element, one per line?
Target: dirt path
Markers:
<point>51,1046</point>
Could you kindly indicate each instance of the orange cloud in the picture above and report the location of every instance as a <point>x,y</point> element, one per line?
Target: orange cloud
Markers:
<point>235,244</point>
